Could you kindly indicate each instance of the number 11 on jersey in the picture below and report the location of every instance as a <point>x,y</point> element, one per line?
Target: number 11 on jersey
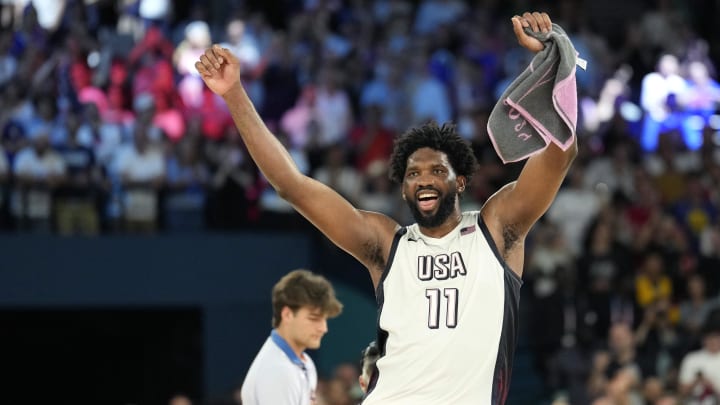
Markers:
<point>434,299</point>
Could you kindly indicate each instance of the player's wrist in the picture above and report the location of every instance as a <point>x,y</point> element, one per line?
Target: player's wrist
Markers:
<point>236,90</point>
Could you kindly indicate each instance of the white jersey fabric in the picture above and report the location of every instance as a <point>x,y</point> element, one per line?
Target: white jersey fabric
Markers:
<point>702,362</point>
<point>277,376</point>
<point>447,322</point>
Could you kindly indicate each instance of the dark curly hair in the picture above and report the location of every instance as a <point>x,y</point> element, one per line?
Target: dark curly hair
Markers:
<point>441,138</point>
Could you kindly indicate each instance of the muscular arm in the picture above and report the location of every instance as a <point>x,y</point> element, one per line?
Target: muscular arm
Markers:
<point>365,235</point>
<point>514,209</point>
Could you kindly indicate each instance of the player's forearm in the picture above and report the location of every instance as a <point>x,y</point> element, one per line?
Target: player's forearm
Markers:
<point>265,149</point>
<point>554,157</point>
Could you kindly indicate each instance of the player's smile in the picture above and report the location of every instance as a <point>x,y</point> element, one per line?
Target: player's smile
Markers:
<point>427,200</point>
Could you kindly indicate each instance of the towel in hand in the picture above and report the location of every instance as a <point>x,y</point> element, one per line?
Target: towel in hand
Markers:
<point>540,106</point>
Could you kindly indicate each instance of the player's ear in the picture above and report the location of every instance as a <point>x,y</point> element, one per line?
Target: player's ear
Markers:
<point>286,313</point>
<point>461,182</point>
<point>403,196</point>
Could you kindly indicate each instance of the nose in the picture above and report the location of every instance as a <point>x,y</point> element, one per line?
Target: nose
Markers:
<point>425,180</point>
<point>323,326</point>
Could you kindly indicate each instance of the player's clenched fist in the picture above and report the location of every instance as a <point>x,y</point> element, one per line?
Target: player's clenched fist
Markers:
<point>219,69</point>
<point>537,22</point>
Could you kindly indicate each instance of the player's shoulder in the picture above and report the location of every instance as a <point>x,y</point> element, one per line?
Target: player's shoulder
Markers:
<point>269,353</point>
<point>272,362</point>
<point>383,223</point>
<point>385,230</point>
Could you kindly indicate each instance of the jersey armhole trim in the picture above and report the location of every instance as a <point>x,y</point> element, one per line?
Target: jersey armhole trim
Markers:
<point>382,335</point>
<point>391,256</point>
<point>496,252</point>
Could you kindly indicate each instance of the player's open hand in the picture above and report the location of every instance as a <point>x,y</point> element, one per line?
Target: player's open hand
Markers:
<point>537,22</point>
<point>219,69</point>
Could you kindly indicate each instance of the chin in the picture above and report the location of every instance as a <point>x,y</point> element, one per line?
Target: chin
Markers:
<point>428,214</point>
<point>436,217</point>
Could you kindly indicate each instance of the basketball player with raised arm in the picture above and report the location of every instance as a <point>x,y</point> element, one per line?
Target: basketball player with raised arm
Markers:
<point>447,286</point>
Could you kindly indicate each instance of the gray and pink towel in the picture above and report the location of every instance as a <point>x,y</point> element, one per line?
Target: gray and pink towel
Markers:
<point>540,105</point>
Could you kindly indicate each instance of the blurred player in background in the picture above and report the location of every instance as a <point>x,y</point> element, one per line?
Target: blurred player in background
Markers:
<point>282,373</point>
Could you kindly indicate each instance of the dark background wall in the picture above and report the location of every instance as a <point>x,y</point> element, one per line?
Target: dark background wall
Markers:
<point>143,318</point>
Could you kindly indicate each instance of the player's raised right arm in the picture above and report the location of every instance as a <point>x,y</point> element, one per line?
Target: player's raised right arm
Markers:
<point>358,232</point>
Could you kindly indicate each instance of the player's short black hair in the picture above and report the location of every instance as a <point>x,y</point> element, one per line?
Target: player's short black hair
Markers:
<point>443,138</point>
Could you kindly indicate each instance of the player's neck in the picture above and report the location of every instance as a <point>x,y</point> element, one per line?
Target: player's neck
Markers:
<point>298,350</point>
<point>445,228</point>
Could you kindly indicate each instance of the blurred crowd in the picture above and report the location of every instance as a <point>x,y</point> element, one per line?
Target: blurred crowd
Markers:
<point>105,126</point>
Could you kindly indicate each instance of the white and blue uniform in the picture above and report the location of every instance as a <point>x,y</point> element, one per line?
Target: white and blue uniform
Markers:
<point>277,376</point>
<point>447,319</point>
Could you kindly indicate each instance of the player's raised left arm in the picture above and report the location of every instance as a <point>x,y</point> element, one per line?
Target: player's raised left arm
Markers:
<point>527,199</point>
<point>511,212</point>
<point>515,208</point>
<point>521,203</point>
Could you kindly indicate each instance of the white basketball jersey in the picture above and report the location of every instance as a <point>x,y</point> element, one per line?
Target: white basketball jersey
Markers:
<point>447,319</point>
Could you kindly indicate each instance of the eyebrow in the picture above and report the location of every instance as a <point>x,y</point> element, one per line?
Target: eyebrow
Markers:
<point>433,166</point>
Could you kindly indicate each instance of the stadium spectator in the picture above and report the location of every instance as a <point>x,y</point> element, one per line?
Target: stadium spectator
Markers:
<point>78,198</point>
<point>700,370</point>
<point>141,166</point>
<point>38,172</point>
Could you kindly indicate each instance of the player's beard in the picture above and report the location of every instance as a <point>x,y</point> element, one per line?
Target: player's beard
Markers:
<point>446,207</point>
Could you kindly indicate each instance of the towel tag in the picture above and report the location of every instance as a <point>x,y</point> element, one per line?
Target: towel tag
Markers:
<point>581,62</point>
